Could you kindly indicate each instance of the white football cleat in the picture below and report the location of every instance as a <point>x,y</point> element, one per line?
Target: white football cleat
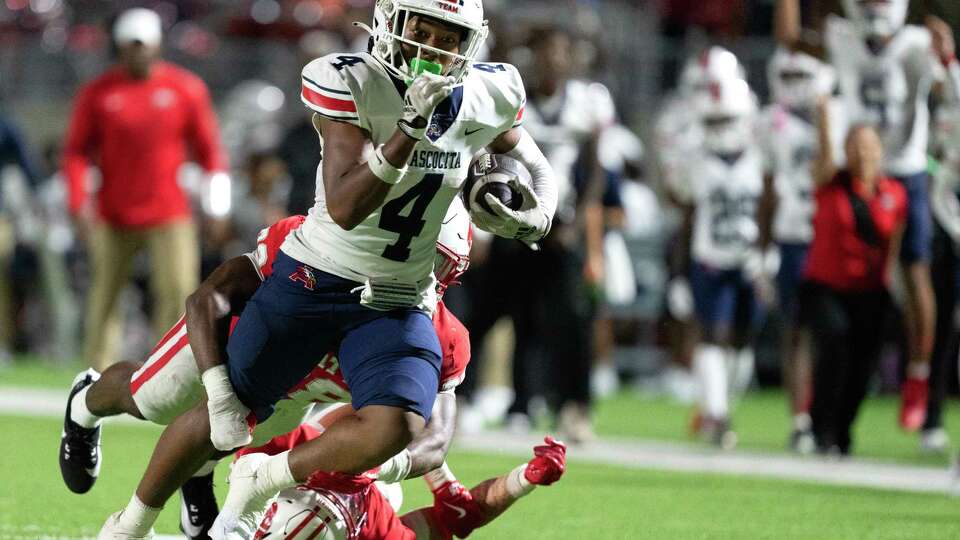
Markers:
<point>245,502</point>
<point>111,530</point>
<point>934,441</point>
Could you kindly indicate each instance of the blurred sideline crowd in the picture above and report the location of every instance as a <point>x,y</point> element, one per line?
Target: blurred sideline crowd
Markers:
<point>679,265</point>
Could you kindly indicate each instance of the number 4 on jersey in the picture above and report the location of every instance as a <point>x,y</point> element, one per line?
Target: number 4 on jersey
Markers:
<point>347,61</point>
<point>411,225</point>
<point>490,68</point>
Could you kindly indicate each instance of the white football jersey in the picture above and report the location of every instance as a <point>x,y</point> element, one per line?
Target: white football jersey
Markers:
<point>676,133</point>
<point>725,196</point>
<point>889,89</point>
<point>790,146</point>
<point>561,124</point>
<point>397,242</point>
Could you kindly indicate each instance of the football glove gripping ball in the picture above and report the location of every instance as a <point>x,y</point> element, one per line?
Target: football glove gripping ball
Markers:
<point>549,463</point>
<point>529,223</point>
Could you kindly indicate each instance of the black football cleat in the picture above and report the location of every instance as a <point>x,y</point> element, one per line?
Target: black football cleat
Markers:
<point>79,446</point>
<point>198,507</point>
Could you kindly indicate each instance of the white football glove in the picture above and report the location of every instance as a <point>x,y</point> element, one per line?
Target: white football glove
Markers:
<point>228,416</point>
<point>680,299</point>
<point>422,97</point>
<point>529,223</point>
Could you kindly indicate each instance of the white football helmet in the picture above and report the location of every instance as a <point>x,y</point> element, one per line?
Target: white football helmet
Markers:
<point>877,17</point>
<point>306,513</point>
<point>713,64</point>
<point>453,246</point>
<point>390,17</point>
<point>727,114</point>
<point>797,79</point>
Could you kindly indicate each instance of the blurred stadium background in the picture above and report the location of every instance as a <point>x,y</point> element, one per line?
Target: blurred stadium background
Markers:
<point>642,476</point>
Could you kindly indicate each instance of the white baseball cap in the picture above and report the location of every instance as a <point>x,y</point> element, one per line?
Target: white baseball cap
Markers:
<point>138,24</point>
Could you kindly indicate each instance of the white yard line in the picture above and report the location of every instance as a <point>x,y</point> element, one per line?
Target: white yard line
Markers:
<point>630,453</point>
<point>698,459</point>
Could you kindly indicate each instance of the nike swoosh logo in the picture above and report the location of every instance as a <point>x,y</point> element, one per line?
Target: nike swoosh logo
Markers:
<point>469,133</point>
<point>461,513</point>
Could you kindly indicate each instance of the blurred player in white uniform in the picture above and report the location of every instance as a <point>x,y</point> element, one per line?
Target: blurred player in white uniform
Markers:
<point>887,72</point>
<point>677,133</point>
<point>725,180</point>
<point>788,134</point>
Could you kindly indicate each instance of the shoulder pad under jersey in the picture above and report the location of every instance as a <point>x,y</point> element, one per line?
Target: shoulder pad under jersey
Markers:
<point>328,85</point>
<point>502,84</point>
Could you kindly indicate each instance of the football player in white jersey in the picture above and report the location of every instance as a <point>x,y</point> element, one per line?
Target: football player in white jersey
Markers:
<point>677,133</point>
<point>366,279</point>
<point>359,269</point>
<point>787,133</point>
<point>887,72</point>
<point>726,181</point>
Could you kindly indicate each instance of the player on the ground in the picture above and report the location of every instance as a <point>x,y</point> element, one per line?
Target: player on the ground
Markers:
<point>332,506</point>
<point>725,181</point>
<point>788,134</point>
<point>168,383</point>
<point>887,72</point>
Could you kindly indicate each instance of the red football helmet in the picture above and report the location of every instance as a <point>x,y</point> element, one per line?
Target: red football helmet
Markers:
<point>453,246</point>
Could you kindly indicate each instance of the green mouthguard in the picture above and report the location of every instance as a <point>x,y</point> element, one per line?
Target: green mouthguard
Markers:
<point>418,66</point>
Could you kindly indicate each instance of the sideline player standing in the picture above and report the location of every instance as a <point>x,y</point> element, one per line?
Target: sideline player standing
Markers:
<point>677,134</point>
<point>725,181</point>
<point>566,117</point>
<point>887,71</point>
<point>137,123</point>
<point>788,134</point>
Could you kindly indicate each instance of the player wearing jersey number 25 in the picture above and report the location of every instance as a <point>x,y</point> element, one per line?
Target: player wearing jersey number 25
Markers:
<point>415,98</point>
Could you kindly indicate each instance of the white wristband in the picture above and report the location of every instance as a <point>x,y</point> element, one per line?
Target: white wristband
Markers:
<point>410,130</point>
<point>216,381</point>
<point>382,168</point>
<point>517,483</point>
<point>396,468</point>
<point>439,476</point>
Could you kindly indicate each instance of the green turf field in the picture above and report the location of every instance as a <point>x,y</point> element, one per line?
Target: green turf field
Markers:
<point>761,419</point>
<point>590,502</point>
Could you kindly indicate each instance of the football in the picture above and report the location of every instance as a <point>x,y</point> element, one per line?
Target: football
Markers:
<point>491,173</point>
